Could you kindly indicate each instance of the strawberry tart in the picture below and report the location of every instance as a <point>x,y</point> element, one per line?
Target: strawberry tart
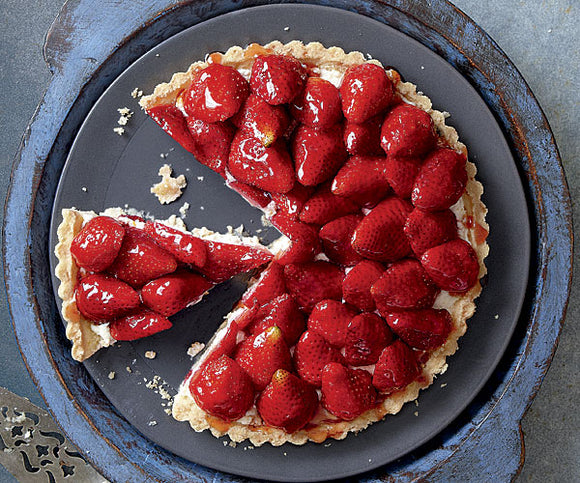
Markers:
<point>355,308</point>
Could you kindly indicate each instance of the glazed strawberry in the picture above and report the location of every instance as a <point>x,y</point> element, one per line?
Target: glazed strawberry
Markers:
<point>277,79</point>
<point>287,402</point>
<point>305,242</point>
<point>212,141</point>
<point>362,179</point>
<point>223,389</point>
<point>324,206</point>
<point>356,287</point>
<point>329,318</point>
<point>101,298</point>
<point>366,91</point>
<point>290,204</point>
<point>424,329</point>
<point>140,259</point>
<point>453,266</point>
<point>380,236</point>
<point>396,368</point>
<point>255,196</point>
<point>311,282</point>
<point>171,293</point>
<point>269,169</point>
<point>336,236</point>
<point>401,174</point>
<point>227,343</point>
<point>282,312</point>
<point>262,355</point>
<point>347,393</point>
<point>269,286</point>
<point>404,285</point>
<point>317,154</point>
<point>408,132</point>
<point>183,246</point>
<point>426,229</point>
<point>138,325</point>
<point>261,120</point>
<point>216,93</point>
<point>364,138</point>
<point>441,180</point>
<point>97,244</point>
<point>311,354</point>
<point>366,336</point>
<point>173,122</point>
<point>318,105</point>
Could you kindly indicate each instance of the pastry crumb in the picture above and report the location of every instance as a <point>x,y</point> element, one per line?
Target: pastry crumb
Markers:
<point>135,93</point>
<point>444,384</point>
<point>184,209</point>
<point>150,354</point>
<point>152,423</point>
<point>84,188</point>
<point>168,189</point>
<point>129,369</point>
<point>195,349</point>
<point>496,316</point>
<point>167,411</point>
<point>119,130</point>
<point>200,178</point>
<point>416,413</point>
<point>232,444</point>
<point>417,402</point>
<point>111,375</point>
<point>286,29</point>
<point>202,208</point>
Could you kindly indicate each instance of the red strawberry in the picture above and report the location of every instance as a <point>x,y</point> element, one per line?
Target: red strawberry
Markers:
<point>311,282</point>
<point>183,246</point>
<point>140,259</point>
<point>97,244</point>
<point>171,293</point>
<point>287,402</point>
<point>317,154</point>
<point>223,389</point>
<point>425,229</point>
<point>347,393</point>
<point>173,122</point>
<point>212,141</point>
<point>101,298</point>
<point>362,179</point>
<point>401,174</point>
<point>311,354</point>
<point>441,180</point>
<point>256,197</point>
<point>323,206</point>
<point>261,120</point>
<point>336,236</point>
<point>290,204</point>
<point>424,329</point>
<point>305,242</point>
<point>364,138</point>
<point>356,287</point>
<point>269,286</point>
<point>453,266</point>
<point>396,368</point>
<point>404,285</point>
<point>216,93</point>
<point>138,325</point>
<point>226,344</point>
<point>318,105</point>
<point>408,131</point>
<point>277,79</point>
<point>329,318</point>
<point>380,236</point>
<point>366,90</point>
<point>282,312</point>
<point>269,169</point>
<point>366,337</point>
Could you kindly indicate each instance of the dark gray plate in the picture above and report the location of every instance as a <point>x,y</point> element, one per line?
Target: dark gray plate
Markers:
<point>104,169</point>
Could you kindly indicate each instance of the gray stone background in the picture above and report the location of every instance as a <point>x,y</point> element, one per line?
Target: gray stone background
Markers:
<point>541,37</point>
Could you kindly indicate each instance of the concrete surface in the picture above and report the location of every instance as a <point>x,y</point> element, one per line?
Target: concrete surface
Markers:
<point>541,37</point>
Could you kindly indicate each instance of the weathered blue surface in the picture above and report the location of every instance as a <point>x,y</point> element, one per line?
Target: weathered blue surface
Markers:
<point>481,435</point>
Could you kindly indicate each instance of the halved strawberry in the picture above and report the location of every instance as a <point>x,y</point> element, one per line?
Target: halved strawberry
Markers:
<point>311,282</point>
<point>277,79</point>
<point>212,141</point>
<point>138,325</point>
<point>347,393</point>
<point>261,120</point>
<point>171,293</point>
<point>336,236</point>
<point>97,244</point>
<point>101,298</point>
<point>424,329</point>
<point>426,229</point>
<point>216,93</point>
<point>287,402</point>
<point>223,389</point>
<point>311,354</point>
<point>183,246</point>
<point>318,105</point>
<point>408,131</point>
<point>396,368</point>
<point>282,312</point>
<point>364,138</point>
<point>404,285</point>
<point>453,266</point>
<point>380,236</point>
<point>356,287</point>
<point>401,174</point>
<point>252,163</point>
<point>324,206</point>
<point>441,180</point>
<point>362,179</point>
<point>366,90</point>
<point>173,122</point>
<point>140,259</point>
<point>269,286</point>
<point>305,242</point>
<point>329,318</point>
<point>366,336</point>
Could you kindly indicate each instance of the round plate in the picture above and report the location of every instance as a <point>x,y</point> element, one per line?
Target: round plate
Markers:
<point>104,169</point>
